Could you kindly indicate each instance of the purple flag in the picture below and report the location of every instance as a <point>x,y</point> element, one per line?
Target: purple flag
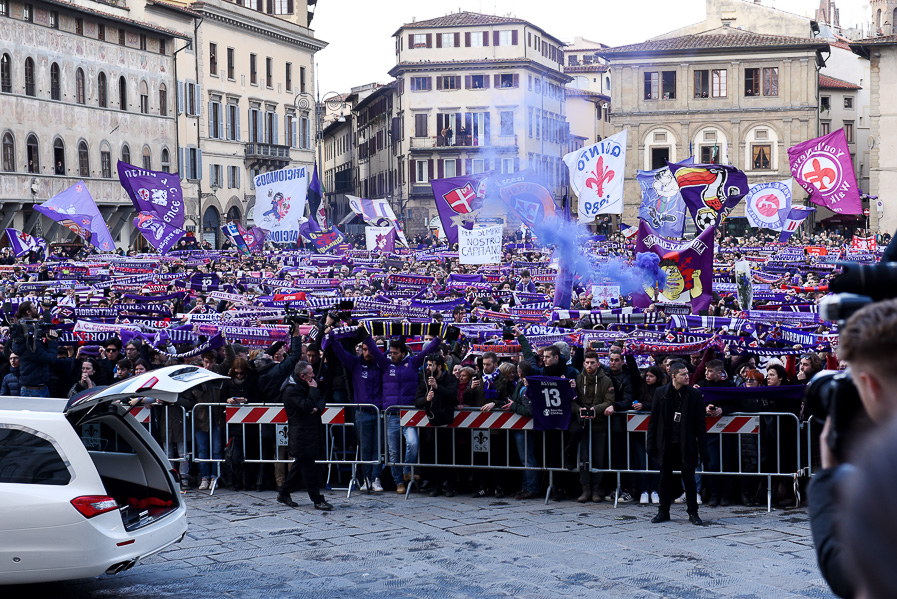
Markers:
<point>458,200</point>
<point>824,168</point>
<point>527,194</point>
<point>386,242</point>
<point>794,218</point>
<point>323,241</point>
<point>688,266</point>
<point>157,232</point>
<point>317,220</point>
<point>22,243</point>
<point>75,209</point>
<point>254,237</point>
<point>711,191</point>
<point>156,192</point>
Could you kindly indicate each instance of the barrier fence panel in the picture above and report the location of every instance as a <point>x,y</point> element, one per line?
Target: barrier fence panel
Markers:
<point>476,440</point>
<point>812,456</point>
<point>262,433</point>
<point>168,426</point>
<point>759,445</point>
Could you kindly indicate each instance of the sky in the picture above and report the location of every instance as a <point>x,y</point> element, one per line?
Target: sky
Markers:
<point>362,50</point>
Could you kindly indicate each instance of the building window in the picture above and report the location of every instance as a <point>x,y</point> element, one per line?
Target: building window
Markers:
<point>825,103</point>
<point>6,74</point>
<point>505,38</point>
<point>420,125</point>
<point>304,133</point>
<point>848,102</point>
<point>710,84</point>
<point>419,40</point>
<point>233,177</point>
<point>83,160</point>
<point>162,47</point>
<point>101,32</point>
<point>669,85</point>
<point>213,59</point>
<point>215,175</point>
<point>761,156</point>
<point>720,87</point>
<point>106,164</point>
<point>55,83</point>
<point>448,40</point>
<point>4,8</point>
<point>79,87</point>
<point>126,154</point>
<point>166,161</point>
<point>302,79</point>
<point>216,121</point>
<point>32,154</point>
<point>122,93</point>
<point>476,39</point>
<point>143,41</point>
<point>54,19</point>
<point>288,76</point>
<point>101,90</point>
<point>290,131</point>
<point>420,84</point>
<point>253,70</point>
<point>507,166</point>
<point>507,122</point>
<point>479,166</point>
<point>29,77</point>
<point>163,100</point>
<point>771,81</point>
<point>507,80</point>
<point>421,170</point>
<point>848,131</point>
<point>193,163</point>
<point>233,122</point>
<point>9,153</point>
<point>825,127</point>
<point>27,13</point>
<point>144,98</point>
<point>230,64</point>
<point>269,72</point>
<point>79,26</point>
<point>752,82</point>
<point>478,81</point>
<point>283,7</point>
<point>449,167</point>
<point>121,37</point>
<point>449,82</point>
<point>652,85</point>
<point>702,84</point>
<point>710,154</point>
<point>147,159</point>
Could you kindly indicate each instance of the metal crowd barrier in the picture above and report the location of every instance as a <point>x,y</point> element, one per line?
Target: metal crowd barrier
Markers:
<point>168,426</point>
<point>813,456</point>
<point>249,423</point>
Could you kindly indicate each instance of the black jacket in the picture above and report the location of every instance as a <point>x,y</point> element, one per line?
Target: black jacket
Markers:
<point>693,429</point>
<point>305,434</point>
<point>822,496</point>
<point>442,409</point>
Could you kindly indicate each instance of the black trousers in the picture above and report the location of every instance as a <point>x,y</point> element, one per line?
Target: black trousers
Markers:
<point>304,469</point>
<point>672,460</point>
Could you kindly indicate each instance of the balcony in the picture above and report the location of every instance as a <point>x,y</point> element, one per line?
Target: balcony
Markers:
<point>271,156</point>
<point>469,143</point>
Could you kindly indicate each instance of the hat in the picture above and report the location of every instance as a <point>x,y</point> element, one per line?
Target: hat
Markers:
<point>262,361</point>
<point>240,349</point>
<point>275,347</point>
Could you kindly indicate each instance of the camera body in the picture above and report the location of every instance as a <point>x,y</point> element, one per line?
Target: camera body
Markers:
<point>833,394</point>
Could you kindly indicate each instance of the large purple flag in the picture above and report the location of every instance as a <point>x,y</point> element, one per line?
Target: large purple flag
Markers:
<point>75,209</point>
<point>527,194</point>
<point>796,215</point>
<point>458,201</point>
<point>154,192</point>
<point>688,266</point>
<point>157,232</point>
<point>824,168</point>
<point>711,191</point>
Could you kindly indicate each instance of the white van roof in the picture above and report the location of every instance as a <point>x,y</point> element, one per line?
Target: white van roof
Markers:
<point>32,404</point>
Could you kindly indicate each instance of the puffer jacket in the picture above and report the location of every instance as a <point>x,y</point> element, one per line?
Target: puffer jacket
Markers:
<point>34,366</point>
<point>10,384</point>
<point>400,380</point>
<point>366,377</point>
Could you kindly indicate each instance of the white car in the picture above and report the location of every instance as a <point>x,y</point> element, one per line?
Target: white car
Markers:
<point>84,488</point>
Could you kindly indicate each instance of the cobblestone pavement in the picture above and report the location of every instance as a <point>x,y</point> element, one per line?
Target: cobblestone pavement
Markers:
<point>247,545</point>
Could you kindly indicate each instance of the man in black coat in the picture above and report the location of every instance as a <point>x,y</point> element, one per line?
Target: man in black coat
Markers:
<point>437,393</point>
<point>304,405</point>
<point>677,435</point>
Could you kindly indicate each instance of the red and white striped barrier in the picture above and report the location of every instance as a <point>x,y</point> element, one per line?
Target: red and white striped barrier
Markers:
<point>736,425</point>
<point>245,415</point>
<point>141,414</point>
<point>464,419</point>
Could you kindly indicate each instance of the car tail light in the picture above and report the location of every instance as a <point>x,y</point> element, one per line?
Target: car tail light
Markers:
<point>93,505</point>
<point>149,384</point>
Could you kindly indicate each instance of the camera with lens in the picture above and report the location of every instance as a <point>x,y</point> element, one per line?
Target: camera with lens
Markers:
<point>833,394</point>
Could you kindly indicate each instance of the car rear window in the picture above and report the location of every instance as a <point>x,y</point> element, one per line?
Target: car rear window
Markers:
<point>30,459</point>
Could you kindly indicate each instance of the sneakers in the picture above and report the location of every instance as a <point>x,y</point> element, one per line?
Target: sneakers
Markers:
<point>323,506</point>
<point>401,488</point>
<point>680,499</point>
<point>699,499</point>
<point>204,485</point>
<point>376,487</point>
<point>655,498</point>
<point>364,487</point>
<point>644,498</point>
<point>499,494</point>
<point>478,494</point>
<point>625,498</point>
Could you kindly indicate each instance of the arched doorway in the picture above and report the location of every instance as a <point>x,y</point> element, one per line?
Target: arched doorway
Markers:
<point>211,222</point>
<point>233,215</point>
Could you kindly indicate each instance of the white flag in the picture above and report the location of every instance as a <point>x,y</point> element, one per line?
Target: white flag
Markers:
<point>596,175</point>
<point>766,204</point>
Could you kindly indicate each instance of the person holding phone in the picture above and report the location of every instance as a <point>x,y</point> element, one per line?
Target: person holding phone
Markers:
<point>588,425</point>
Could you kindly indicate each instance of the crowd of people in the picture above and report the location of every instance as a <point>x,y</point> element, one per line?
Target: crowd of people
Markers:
<point>416,328</point>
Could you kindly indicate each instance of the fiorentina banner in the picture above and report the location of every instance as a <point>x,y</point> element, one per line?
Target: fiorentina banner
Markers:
<point>823,167</point>
<point>480,246</point>
<point>792,220</point>
<point>711,191</point>
<point>154,192</point>
<point>662,205</point>
<point>382,239</point>
<point>377,213</point>
<point>688,266</point>
<point>157,232</point>
<point>325,240</point>
<point>21,243</point>
<point>458,201</point>
<point>596,175</point>
<point>526,194</point>
<point>280,202</point>
<point>254,237</point>
<point>767,205</point>
<point>863,244</point>
<point>236,236</point>
<point>75,209</point>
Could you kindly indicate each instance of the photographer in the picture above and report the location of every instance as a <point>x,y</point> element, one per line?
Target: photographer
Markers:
<point>869,344</point>
<point>36,355</point>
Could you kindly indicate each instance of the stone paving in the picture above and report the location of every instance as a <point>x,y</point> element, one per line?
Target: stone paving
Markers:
<point>244,544</point>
